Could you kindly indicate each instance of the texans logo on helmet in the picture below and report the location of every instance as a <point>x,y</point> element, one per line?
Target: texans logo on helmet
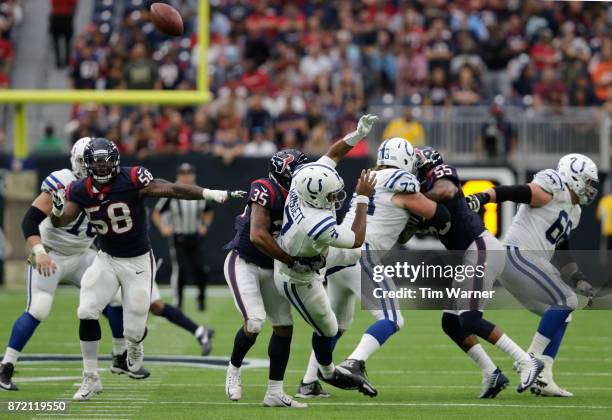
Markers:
<point>281,164</point>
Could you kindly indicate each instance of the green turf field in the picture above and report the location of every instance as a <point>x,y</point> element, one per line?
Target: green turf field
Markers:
<point>419,373</point>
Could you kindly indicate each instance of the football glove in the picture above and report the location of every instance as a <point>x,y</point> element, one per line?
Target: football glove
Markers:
<point>221,196</point>
<point>58,199</point>
<point>307,264</point>
<point>476,201</point>
<point>364,126</point>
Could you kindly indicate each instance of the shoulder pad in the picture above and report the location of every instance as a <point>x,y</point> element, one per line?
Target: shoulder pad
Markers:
<point>140,176</point>
<point>549,180</point>
<point>319,225</point>
<point>57,180</point>
<point>402,181</point>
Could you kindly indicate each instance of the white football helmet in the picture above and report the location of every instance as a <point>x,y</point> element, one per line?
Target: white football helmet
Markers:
<point>76,157</point>
<point>580,174</point>
<point>397,152</point>
<point>319,186</point>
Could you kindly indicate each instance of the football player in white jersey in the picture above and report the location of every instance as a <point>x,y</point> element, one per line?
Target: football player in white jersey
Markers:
<point>58,254</point>
<point>309,229</point>
<point>549,211</point>
<point>396,197</point>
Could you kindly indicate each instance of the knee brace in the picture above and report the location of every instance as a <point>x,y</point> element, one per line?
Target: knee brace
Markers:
<point>255,325</point>
<point>472,322</point>
<point>452,328</point>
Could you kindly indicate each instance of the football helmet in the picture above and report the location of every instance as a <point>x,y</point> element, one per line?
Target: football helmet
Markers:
<point>427,158</point>
<point>580,174</point>
<point>398,153</point>
<point>101,158</point>
<point>283,165</point>
<point>319,186</point>
<point>76,157</point>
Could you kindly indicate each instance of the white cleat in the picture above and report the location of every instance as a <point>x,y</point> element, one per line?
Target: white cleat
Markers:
<point>529,370</point>
<point>233,384</point>
<point>546,386</point>
<point>282,400</point>
<point>90,386</point>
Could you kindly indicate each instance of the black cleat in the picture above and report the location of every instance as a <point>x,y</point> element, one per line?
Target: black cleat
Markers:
<point>119,366</point>
<point>357,368</point>
<point>205,340</point>
<point>341,378</point>
<point>493,384</point>
<point>311,390</point>
<point>6,377</point>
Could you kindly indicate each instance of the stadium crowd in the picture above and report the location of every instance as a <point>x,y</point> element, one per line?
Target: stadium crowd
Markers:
<point>10,16</point>
<point>298,74</point>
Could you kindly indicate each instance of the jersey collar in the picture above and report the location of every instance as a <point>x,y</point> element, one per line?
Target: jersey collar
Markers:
<point>93,191</point>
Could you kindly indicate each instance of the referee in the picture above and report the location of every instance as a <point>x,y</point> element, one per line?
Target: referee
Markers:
<point>185,222</point>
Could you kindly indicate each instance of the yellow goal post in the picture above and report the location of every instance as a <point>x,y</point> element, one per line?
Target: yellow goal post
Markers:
<point>22,97</point>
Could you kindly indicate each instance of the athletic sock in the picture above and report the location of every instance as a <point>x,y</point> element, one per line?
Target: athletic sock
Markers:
<point>366,347</point>
<point>199,332</point>
<point>275,387</point>
<point>177,317</point>
<point>538,344</point>
<point>278,352</point>
<point>89,350</point>
<point>10,356</point>
<point>23,328</point>
<point>552,322</point>
<point>506,344</point>
<point>242,345</point>
<point>552,348</point>
<point>115,320</point>
<point>119,345</point>
<point>311,371</point>
<point>322,347</point>
<point>478,354</point>
<point>327,370</point>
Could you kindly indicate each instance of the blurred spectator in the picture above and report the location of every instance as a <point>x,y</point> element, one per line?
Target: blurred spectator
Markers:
<point>317,143</point>
<point>260,145</point>
<point>498,137</point>
<point>141,72</point>
<point>61,28</point>
<point>257,119</point>
<point>407,128</point>
<point>49,143</point>
<point>549,90</point>
<point>466,91</point>
<point>543,53</point>
<point>85,68</point>
<point>602,70</point>
<point>202,132</point>
<point>291,120</point>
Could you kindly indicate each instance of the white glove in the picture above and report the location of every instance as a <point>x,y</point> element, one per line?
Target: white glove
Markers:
<point>59,202</point>
<point>364,126</point>
<point>221,196</point>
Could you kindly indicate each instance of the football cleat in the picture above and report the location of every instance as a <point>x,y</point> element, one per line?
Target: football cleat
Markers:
<point>90,386</point>
<point>6,377</point>
<point>311,390</point>
<point>357,368</point>
<point>493,384</point>
<point>205,340</point>
<point>134,359</point>
<point>119,365</point>
<point>282,400</point>
<point>529,369</point>
<point>233,384</point>
<point>545,386</point>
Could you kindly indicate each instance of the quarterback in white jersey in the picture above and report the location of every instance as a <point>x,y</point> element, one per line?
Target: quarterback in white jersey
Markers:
<point>549,211</point>
<point>58,254</point>
<point>309,229</point>
<point>396,196</point>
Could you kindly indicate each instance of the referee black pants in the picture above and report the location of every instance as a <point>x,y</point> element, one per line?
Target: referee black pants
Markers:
<point>189,263</point>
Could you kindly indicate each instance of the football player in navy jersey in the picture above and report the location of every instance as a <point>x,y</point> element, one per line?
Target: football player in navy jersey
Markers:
<point>440,182</point>
<point>250,261</point>
<point>112,196</point>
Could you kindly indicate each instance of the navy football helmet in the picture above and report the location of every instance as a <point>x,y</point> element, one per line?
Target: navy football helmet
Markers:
<point>283,165</point>
<point>101,159</point>
<point>427,159</point>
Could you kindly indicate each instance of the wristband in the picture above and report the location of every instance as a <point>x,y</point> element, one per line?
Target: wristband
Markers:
<point>362,199</point>
<point>352,138</point>
<point>39,249</point>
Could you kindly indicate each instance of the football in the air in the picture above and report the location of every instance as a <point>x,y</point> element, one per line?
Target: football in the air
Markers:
<point>166,19</point>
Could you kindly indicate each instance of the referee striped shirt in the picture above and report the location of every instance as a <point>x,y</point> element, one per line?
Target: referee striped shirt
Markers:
<point>185,215</point>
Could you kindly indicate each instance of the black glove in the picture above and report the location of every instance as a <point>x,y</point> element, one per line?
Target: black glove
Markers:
<point>476,201</point>
<point>307,264</point>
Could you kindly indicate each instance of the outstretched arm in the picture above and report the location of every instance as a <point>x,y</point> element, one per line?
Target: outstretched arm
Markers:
<point>163,188</point>
<point>71,212</point>
<point>531,194</point>
<point>340,148</point>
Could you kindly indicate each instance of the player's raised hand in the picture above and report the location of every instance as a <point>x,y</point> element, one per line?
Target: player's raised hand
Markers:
<point>476,201</point>
<point>364,126</point>
<point>366,183</point>
<point>58,199</point>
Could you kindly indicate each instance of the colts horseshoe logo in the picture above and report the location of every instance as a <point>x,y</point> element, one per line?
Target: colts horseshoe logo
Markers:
<point>312,191</point>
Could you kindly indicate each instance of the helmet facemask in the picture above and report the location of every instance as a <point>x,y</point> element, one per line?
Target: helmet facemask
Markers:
<point>102,166</point>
